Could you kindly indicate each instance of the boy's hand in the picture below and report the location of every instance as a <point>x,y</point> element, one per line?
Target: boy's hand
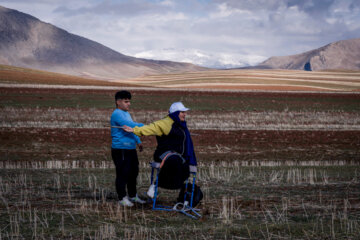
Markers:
<point>141,148</point>
<point>127,129</point>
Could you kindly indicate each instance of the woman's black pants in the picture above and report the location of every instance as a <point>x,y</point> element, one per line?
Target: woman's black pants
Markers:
<point>127,169</point>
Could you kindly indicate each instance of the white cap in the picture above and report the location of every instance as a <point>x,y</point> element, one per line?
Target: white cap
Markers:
<point>178,106</point>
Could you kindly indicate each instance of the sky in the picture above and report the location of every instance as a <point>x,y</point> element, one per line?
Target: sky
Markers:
<point>210,33</point>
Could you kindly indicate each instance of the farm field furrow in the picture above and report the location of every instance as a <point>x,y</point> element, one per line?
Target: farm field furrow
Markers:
<point>291,80</point>
<point>226,79</point>
<point>21,146</point>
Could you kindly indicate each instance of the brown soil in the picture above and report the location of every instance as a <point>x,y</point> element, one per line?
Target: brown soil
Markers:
<point>94,144</point>
<point>44,143</point>
<point>197,92</point>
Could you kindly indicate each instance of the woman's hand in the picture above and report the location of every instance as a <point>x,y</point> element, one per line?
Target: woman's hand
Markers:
<point>127,129</point>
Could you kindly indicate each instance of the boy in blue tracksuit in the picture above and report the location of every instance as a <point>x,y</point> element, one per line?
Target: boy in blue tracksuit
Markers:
<point>123,150</point>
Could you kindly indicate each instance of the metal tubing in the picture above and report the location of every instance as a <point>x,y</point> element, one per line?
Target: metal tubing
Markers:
<point>156,187</point>
<point>185,209</point>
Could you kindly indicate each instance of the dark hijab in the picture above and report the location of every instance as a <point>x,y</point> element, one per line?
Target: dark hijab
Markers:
<point>189,147</point>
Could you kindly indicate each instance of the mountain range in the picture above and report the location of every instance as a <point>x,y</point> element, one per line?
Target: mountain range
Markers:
<point>343,54</point>
<point>25,41</point>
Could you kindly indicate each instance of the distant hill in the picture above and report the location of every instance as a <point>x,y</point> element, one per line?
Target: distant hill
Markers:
<point>25,41</point>
<point>338,55</point>
<point>18,75</point>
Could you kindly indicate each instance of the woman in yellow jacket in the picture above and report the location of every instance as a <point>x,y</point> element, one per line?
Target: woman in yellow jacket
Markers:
<point>174,148</point>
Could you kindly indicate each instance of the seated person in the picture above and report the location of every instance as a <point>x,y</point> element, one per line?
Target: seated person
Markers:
<point>174,149</point>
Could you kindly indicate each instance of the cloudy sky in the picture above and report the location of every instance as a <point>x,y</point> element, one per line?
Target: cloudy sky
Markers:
<point>212,33</point>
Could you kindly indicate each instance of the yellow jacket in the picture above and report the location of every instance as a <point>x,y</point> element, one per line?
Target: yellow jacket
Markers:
<point>170,136</point>
<point>157,128</point>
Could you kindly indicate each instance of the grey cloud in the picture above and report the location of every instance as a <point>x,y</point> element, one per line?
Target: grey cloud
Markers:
<point>137,8</point>
<point>252,5</point>
<point>121,9</point>
<point>241,28</point>
<point>313,8</point>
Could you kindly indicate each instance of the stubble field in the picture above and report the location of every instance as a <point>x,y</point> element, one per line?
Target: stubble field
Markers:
<point>272,165</point>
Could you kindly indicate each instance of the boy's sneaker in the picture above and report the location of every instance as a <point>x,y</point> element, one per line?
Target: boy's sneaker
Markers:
<point>136,199</point>
<point>151,191</point>
<point>126,202</point>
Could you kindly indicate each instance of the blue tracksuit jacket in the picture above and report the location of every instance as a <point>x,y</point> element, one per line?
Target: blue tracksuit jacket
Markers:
<point>120,138</point>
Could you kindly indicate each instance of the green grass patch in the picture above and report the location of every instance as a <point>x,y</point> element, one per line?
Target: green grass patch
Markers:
<point>198,101</point>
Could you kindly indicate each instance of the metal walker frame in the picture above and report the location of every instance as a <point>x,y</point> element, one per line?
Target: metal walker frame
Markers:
<point>186,207</point>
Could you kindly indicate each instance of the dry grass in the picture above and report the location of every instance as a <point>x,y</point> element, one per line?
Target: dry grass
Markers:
<point>253,203</point>
<point>99,118</point>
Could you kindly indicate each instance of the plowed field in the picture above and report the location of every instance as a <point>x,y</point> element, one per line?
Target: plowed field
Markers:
<point>270,164</point>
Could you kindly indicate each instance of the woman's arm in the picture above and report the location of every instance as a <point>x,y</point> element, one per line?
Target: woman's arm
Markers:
<point>157,128</point>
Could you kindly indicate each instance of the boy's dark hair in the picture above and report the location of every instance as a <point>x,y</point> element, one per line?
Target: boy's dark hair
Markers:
<point>122,95</point>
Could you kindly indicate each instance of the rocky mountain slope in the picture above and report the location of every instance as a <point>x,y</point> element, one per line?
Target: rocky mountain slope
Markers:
<point>338,55</point>
<point>25,41</point>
